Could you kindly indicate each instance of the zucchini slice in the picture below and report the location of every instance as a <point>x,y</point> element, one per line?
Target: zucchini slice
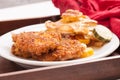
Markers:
<point>102,33</point>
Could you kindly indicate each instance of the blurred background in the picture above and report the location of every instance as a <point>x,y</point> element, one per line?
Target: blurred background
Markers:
<point>12,3</point>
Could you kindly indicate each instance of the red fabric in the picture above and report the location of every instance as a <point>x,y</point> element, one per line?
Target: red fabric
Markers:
<point>106,12</point>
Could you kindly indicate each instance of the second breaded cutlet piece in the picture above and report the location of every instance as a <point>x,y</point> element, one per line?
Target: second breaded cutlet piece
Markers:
<point>66,50</point>
<point>35,43</point>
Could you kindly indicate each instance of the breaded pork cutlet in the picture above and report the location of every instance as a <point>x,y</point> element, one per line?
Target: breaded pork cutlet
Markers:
<point>28,44</point>
<point>66,50</point>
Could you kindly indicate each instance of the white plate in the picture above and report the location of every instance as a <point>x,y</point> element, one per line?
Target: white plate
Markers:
<point>6,43</point>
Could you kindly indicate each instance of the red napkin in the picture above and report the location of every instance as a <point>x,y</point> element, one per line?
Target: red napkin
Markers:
<point>106,12</point>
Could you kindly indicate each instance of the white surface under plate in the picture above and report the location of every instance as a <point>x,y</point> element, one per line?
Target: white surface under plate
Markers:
<point>29,11</point>
<point>6,43</point>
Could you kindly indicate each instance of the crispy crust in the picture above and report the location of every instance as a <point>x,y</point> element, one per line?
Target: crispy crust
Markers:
<point>35,42</point>
<point>46,46</point>
<point>66,50</point>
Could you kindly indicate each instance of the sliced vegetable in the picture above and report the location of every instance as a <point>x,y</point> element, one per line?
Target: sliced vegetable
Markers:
<point>102,33</point>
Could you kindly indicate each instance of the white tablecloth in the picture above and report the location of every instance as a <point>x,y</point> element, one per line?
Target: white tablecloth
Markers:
<point>34,10</point>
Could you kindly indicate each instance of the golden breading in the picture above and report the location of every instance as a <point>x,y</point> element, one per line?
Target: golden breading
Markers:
<point>66,50</point>
<point>46,46</point>
<point>35,42</point>
<point>19,52</point>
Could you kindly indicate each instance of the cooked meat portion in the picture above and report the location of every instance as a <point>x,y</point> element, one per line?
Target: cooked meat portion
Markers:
<point>46,46</point>
<point>66,50</point>
<point>27,44</point>
<point>19,52</point>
